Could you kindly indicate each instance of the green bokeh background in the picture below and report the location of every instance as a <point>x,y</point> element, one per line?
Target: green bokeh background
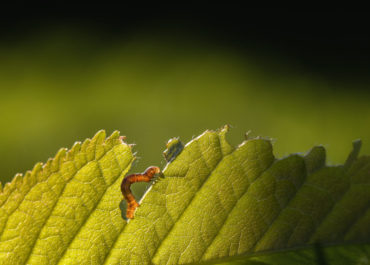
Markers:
<point>62,86</point>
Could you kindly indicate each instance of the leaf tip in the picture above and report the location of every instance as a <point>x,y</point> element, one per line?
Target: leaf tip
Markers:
<point>99,136</point>
<point>61,154</point>
<point>7,187</point>
<point>37,168</point>
<point>115,136</point>
<point>18,179</point>
<point>315,159</point>
<point>85,144</point>
<point>356,146</point>
<point>72,152</point>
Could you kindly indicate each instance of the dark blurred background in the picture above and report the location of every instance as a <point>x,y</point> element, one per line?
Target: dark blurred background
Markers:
<point>301,78</point>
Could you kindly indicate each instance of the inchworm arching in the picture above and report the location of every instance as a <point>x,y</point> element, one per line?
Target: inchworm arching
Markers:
<point>126,191</point>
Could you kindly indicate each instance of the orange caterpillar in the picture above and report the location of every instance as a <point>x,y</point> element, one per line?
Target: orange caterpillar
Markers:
<point>126,191</point>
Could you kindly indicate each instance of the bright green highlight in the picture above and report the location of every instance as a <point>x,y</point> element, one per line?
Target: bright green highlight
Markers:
<point>67,208</point>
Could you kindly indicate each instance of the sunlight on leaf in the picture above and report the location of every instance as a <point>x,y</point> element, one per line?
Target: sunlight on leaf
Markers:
<point>215,204</point>
<point>67,208</point>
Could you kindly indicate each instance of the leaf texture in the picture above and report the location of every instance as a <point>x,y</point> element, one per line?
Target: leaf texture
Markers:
<point>218,202</point>
<point>215,204</point>
<point>67,209</point>
<point>316,254</point>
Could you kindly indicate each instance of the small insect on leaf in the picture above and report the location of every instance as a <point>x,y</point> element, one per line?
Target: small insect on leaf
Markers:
<point>147,176</point>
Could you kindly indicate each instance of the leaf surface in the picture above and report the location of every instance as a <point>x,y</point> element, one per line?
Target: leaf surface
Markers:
<point>219,202</point>
<point>67,209</point>
<point>215,204</point>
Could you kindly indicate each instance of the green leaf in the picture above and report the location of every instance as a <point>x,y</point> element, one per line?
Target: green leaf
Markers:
<point>67,209</point>
<point>215,204</point>
<point>218,202</point>
<point>316,254</point>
